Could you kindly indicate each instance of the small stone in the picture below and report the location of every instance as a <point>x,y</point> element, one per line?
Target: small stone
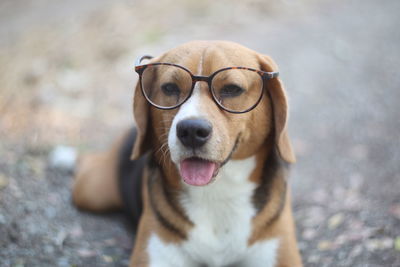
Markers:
<point>325,245</point>
<point>397,243</point>
<point>356,251</point>
<point>86,253</point>
<point>110,242</point>
<point>76,232</point>
<point>341,240</point>
<point>387,243</point>
<point>379,244</point>
<point>314,259</point>
<point>356,225</point>
<point>3,181</point>
<point>19,263</point>
<point>63,157</point>
<point>335,221</point>
<point>37,167</point>
<point>352,201</point>
<point>309,234</point>
<point>60,238</point>
<point>108,259</point>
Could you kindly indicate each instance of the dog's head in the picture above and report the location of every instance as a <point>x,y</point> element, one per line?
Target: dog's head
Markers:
<point>199,136</point>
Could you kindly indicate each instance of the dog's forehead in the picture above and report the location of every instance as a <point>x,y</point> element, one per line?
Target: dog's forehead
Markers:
<point>209,56</point>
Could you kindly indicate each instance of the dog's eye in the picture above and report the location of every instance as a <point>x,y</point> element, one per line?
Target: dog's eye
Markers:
<point>170,89</point>
<point>231,90</point>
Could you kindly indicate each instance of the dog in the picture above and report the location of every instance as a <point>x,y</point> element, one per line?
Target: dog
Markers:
<point>203,174</point>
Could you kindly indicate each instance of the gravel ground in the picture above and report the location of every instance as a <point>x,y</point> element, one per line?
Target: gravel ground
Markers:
<point>66,80</point>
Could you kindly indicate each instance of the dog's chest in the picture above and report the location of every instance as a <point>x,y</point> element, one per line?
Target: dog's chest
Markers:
<point>222,214</point>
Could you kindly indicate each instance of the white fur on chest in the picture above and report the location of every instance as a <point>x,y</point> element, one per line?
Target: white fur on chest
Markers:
<point>222,214</point>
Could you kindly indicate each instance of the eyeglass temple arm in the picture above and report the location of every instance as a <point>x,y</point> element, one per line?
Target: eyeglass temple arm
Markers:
<point>271,75</point>
<point>140,59</point>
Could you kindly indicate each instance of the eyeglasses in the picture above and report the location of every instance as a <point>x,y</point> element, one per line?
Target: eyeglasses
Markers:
<point>234,89</point>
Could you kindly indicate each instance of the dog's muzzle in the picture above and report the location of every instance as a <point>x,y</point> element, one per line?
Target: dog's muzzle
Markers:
<point>194,134</point>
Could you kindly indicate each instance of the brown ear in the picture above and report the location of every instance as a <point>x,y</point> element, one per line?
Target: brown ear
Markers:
<point>141,115</point>
<point>280,111</point>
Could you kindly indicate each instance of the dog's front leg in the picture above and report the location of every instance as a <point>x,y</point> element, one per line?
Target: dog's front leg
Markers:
<point>160,254</point>
<point>262,254</point>
<point>272,253</point>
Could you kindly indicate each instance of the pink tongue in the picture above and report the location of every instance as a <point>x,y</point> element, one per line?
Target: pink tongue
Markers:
<point>197,171</point>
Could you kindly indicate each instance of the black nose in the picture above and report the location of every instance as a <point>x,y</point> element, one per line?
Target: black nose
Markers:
<point>193,132</point>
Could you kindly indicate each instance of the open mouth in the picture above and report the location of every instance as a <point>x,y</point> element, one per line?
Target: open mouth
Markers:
<point>197,171</point>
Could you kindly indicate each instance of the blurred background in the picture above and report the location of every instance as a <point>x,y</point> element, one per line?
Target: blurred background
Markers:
<point>66,84</point>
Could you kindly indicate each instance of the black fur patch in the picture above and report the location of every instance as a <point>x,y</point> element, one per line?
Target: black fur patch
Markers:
<point>274,169</point>
<point>152,182</point>
<point>130,174</point>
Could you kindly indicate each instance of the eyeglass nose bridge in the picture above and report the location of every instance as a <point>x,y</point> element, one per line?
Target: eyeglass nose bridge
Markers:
<point>200,79</point>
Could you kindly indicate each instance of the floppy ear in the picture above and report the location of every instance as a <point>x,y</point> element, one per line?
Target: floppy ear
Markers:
<point>141,115</point>
<point>280,111</point>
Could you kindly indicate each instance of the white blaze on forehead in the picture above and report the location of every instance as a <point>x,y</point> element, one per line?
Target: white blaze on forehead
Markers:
<point>191,109</point>
<point>200,66</point>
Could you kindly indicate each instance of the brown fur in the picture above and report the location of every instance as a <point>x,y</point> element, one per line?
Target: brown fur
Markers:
<point>260,132</point>
<point>96,184</point>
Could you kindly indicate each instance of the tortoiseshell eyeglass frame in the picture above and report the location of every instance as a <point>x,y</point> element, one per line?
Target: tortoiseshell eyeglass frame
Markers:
<point>263,74</point>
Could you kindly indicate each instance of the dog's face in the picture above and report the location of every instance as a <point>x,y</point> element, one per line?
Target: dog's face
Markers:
<point>199,137</point>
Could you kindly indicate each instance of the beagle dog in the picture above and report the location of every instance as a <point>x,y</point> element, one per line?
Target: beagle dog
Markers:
<point>203,174</point>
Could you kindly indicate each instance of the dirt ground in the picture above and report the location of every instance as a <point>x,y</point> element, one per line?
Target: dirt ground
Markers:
<point>67,79</point>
